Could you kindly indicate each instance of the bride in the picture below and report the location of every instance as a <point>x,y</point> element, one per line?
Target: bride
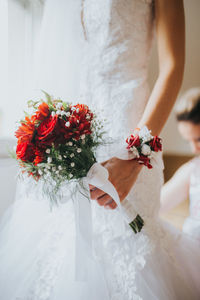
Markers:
<point>107,44</point>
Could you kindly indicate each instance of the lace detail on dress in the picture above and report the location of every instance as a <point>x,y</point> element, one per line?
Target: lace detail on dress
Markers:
<point>114,79</point>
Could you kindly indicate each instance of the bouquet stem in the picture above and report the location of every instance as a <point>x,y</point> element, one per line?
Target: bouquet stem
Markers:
<point>137,224</point>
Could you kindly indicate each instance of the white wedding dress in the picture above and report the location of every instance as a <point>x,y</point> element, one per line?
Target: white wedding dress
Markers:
<point>37,253</point>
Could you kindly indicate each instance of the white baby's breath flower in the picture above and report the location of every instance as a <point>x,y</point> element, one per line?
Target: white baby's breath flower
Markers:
<point>70,144</point>
<point>59,167</point>
<point>79,150</point>
<point>49,160</point>
<point>70,175</point>
<point>64,156</point>
<point>53,113</point>
<point>134,152</point>
<point>54,169</point>
<point>48,151</point>
<point>67,124</point>
<point>83,136</point>
<point>40,172</point>
<point>48,167</point>
<point>145,134</point>
<point>72,164</point>
<point>57,172</point>
<point>146,150</point>
<point>60,157</point>
<point>72,155</point>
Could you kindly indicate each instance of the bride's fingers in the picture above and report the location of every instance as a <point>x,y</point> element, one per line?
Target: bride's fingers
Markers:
<point>92,187</point>
<point>96,193</point>
<point>103,200</point>
<point>111,205</point>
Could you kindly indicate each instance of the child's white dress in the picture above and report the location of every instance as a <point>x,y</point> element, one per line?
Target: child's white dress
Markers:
<point>191,225</point>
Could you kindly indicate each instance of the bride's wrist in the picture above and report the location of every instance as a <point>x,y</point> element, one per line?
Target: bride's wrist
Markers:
<point>142,145</point>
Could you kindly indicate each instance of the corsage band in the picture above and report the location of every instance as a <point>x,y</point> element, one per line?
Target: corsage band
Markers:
<point>142,144</point>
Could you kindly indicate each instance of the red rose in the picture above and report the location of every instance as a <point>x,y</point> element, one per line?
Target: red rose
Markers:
<point>155,144</point>
<point>26,152</point>
<point>133,141</point>
<point>47,131</point>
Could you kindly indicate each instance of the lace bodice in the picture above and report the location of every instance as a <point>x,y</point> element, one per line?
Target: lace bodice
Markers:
<point>119,36</point>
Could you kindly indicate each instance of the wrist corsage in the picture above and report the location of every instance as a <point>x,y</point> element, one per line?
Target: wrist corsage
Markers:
<point>141,146</point>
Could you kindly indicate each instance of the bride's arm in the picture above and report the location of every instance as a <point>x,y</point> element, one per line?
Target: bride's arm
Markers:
<point>170,30</point>
<point>176,190</point>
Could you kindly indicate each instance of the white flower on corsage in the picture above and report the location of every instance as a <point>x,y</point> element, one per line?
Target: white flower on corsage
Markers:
<point>146,150</point>
<point>135,153</point>
<point>145,135</point>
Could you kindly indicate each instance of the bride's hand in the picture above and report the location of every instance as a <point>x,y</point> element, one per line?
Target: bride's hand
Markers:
<point>122,174</point>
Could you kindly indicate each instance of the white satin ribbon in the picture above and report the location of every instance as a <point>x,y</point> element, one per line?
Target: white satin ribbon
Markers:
<point>97,176</point>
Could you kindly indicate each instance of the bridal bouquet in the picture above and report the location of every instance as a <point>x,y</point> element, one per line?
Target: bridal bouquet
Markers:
<point>58,141</point>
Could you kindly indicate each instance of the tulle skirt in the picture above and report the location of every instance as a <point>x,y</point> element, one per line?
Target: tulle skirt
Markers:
<point>37,257</point>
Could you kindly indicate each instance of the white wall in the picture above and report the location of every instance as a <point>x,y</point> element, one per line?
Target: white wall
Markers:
<point>171,139</point>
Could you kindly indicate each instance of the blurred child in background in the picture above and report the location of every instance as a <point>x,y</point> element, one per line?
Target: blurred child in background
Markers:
<point>186,181</point>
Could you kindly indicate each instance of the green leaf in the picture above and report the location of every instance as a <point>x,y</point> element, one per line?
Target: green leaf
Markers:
<point>48,97</point>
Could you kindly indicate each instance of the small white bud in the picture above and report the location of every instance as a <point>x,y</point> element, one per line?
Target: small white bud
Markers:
<point>64,156</point>
<point>54,169</point>
<point>67,124</point>
<point>72,155</point>
<point>57,172</point>
<point>70,144</point>
<point>70,175</point>
<point>48,151</point>
<point>83,136</point>
<point>49,160</point>
<point>67,114</point>
<point>72,164</point>
<point>60,157</point>
<point>59,168</point>
<point>146,150</point>
<point>79,150</point>
<point>40,172</point>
